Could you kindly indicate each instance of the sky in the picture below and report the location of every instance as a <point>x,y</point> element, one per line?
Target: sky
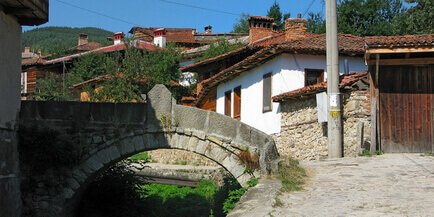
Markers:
<point>121,15</point>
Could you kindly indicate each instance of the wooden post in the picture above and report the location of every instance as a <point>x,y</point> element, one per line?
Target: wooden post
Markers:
<point>360,135</point>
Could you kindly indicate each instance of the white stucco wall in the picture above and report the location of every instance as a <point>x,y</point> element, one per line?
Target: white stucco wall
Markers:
<point>288,74</point>
<point>10,69</point>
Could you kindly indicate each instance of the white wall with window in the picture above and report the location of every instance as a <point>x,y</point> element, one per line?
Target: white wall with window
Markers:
<point>287,73</point>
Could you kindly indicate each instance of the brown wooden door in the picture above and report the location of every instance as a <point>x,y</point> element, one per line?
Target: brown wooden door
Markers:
<point>406,108</point>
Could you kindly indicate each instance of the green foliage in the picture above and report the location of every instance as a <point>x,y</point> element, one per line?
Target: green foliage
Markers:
<point>61,39</point>
<point>216,49</point>
<point>368,17</point>
<point>52,88</point>
<point>291,174</point>
<point>242,24</point>
<point>113,193</point>
<point>316,23</point>
<point>235,195</point>
<point>130,74</point>
<point>275,12</point>
<point>140,157</point>
<point>419,18</point>
<point>365,153</point>
<point>170,200</point>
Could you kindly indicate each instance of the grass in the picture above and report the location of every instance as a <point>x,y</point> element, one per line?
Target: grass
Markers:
<point>292,175</point>
<point>367,153</point>
<point>235,195</point>
<point>140,157</point>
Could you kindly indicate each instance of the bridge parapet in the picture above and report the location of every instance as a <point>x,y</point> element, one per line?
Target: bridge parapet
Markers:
<point>101,134</point>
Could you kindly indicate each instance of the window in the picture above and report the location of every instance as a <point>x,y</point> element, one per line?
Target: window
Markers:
<point>24,82</point>
<point>266,93</point>
<point>237,103</point>
<point>313,76</point>
<point>228,103</point>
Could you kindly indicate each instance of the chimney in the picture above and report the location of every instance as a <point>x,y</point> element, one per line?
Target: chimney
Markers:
<point>117,37</point>
<point>82,39</point>
<point>160,37</point>
<point>27,50</point>
<point>260,27</point>
<point>208,29</point>
<point>295,28</point>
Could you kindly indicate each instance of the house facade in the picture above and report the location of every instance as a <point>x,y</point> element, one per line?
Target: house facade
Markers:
<point>12,17</point>
<point>273,63</point>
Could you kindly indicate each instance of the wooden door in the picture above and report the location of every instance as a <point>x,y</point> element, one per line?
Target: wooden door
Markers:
<point>406,108</point>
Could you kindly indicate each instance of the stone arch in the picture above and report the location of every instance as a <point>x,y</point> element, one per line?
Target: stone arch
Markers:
<point>112,152</point>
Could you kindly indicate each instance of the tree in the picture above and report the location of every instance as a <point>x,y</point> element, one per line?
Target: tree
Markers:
<point>316,23</point>
<point>369,17</point>
<point>418,19</point>
<point>276,13</point>
<point>242,25</point>
<point>216,49</point>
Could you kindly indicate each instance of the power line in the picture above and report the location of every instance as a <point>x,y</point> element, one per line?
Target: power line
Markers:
<point>98,13</point>
<point>201,8</point>
<point>308,7</point>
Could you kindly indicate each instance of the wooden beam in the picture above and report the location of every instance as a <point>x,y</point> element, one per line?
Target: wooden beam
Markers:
<point>400,62</point>
<point>428,48</point>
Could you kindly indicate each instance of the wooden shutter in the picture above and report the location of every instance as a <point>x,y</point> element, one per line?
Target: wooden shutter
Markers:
<point>266,93</point>
<point>228,103</point>
<point>237,103</point>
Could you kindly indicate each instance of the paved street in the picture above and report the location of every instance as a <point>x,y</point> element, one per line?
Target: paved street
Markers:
<point>387,185</point>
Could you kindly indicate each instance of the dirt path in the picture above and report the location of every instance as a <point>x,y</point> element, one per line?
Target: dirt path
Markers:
<point>387,185</point>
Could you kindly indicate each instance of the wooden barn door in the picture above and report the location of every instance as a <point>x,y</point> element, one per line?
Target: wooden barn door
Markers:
<point>406,108</point>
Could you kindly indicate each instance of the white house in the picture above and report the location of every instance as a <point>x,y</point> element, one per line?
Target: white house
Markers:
<point>273,63</point>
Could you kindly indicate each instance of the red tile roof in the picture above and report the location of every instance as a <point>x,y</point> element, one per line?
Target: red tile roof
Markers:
<point>107,49</point>
<point>400,41</point>
<point>32,61</point>
<point>88,46</point>
<point>177,35</point>
<point>315,43</point>
<point>346,80</point>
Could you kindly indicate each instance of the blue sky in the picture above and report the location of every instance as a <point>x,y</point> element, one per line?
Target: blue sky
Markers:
<point>162,13</point>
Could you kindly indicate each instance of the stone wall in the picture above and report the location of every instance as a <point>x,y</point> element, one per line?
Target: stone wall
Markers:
<point>303,138</point>
<point>10,62</point>
<point>173,156</point>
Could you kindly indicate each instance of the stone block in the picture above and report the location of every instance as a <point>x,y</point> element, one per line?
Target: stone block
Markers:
<point>138,143</point>
<point>190,118</point>
<point>202,146</point>
<point>215,140</point>
<point>192,143</point>
<point>72,183</point>
<point>114,153</point>
<point>126,147</point>
<point>103,112</point>
<point>79,176</point>
<point>130,113</point>
<point>68,193</point>
<point>222,125</point>
<point>199,134</point>
<point>159,107</point>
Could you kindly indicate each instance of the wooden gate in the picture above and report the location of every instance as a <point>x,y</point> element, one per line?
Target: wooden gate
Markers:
<point>406,108</point>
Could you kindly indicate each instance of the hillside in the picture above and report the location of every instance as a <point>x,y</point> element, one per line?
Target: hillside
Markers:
<point>58,39</point>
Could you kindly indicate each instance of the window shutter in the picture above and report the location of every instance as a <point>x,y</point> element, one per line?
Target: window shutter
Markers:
<point>237,103</point>
<point>266,93</point>
<point>228,103</point>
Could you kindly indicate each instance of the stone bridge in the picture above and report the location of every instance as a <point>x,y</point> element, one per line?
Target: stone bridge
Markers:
<point>64,145</point>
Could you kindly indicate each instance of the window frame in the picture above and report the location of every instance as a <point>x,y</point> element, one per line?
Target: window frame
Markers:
<point>319,76</point>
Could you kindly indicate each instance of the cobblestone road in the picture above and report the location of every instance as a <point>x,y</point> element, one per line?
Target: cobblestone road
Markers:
<point>386,185</point>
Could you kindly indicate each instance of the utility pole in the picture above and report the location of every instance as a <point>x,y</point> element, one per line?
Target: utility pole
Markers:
<point>335,133</point>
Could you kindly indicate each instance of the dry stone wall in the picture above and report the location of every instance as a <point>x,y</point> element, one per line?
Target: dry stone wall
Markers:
<point>303,138</point>
<point>173,156</point>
